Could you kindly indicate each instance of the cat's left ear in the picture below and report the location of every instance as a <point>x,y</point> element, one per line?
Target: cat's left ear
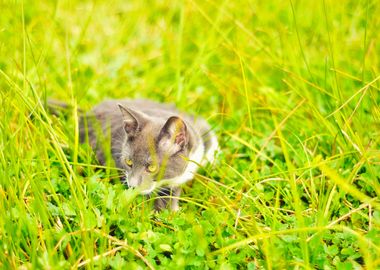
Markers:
<point>174,135</point>
<point>132,121</point>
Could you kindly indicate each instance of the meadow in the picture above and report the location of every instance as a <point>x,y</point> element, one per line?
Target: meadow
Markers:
<point>291,89</point>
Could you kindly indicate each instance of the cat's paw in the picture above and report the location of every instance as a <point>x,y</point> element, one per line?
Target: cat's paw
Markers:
<point>175,207</point>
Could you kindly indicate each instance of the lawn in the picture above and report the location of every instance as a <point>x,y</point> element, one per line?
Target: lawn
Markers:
<point>291,88</point>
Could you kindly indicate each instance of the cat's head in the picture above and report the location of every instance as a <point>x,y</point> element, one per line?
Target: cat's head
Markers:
<point>153,150</point>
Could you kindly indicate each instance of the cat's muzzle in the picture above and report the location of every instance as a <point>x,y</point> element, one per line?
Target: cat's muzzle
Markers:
<point>144,187</point>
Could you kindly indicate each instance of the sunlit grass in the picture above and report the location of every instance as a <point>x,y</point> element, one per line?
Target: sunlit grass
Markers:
<point>291,88</point>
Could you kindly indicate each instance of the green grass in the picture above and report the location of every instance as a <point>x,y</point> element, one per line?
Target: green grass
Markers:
<point>291,88</point>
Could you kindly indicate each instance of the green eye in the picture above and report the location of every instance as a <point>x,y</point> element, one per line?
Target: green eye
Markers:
<point>129,162</point>
<point>152,168</point>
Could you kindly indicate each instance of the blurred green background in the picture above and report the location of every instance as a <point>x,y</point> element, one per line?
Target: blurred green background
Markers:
<point>290,87</point>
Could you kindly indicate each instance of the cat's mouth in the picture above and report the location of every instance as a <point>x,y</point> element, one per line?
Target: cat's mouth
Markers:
<point>146,191</point>
<point>145,187</point>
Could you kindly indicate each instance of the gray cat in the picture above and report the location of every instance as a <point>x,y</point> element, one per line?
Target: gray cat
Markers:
<point>151,142</point>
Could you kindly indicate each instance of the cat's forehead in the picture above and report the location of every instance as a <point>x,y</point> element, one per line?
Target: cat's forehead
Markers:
<point>147,137</point>
<point>143,146</point>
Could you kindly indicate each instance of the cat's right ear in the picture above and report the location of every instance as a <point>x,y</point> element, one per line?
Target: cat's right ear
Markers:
<point>173,135</point>
<point>131,123</point>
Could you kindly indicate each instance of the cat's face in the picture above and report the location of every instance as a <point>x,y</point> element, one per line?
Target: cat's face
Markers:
<point>152,151</point>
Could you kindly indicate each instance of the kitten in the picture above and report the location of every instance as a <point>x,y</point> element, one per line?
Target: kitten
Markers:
<point>150,142</point>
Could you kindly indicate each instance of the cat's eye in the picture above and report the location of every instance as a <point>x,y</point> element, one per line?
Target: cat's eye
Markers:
<point>152,168</point>
<point>129,162</point>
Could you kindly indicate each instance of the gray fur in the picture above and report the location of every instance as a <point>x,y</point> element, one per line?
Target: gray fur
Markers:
<point>147,132</point>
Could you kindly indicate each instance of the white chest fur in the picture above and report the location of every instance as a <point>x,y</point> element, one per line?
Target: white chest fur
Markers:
<point>195,159</point>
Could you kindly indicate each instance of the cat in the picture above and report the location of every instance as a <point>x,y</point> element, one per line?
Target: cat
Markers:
<point>150,142</point>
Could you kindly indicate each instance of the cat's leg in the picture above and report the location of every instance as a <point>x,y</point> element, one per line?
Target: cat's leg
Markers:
<point>176,192</point>
<point>159,202</point>
<point>167,197</point>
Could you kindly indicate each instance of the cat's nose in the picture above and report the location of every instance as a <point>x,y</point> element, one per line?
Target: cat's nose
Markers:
<point>133,181</point>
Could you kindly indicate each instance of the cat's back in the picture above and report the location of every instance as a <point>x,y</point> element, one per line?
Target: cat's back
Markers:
<point>156,110</point>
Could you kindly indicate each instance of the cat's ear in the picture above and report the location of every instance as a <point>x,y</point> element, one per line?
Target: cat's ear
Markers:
<point>131,120</point>
<point>173,135</point>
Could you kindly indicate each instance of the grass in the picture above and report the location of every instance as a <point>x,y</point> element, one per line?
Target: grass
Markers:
<point>290,87</point>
